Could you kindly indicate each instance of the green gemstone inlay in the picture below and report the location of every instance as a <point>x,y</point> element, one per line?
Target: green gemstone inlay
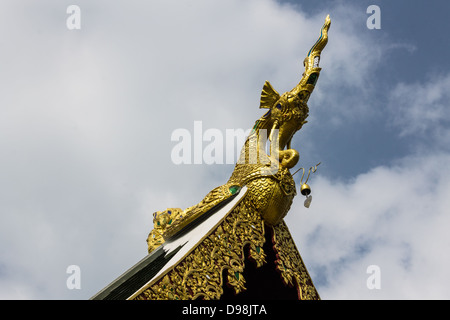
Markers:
<point>234,189</point>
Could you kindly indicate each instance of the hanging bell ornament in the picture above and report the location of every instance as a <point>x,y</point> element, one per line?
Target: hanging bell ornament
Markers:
<point>305,189</point>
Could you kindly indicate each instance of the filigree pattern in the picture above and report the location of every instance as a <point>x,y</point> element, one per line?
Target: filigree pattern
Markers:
<point>290,263</point>
<point>199,274</point>
<point>270,193</point>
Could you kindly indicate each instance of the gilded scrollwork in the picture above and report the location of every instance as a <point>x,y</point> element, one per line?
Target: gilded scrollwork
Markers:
<point>270,193</point>
<point>290,264</point>
<point>199,274</point>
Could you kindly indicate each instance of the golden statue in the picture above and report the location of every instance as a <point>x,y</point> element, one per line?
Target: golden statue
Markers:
<point>262,189</point>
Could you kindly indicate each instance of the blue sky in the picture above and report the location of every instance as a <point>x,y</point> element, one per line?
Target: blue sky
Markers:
<point>87,116</point>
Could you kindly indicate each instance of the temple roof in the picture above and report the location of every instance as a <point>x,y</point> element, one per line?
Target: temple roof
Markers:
<point>234,243</point>
<point>253,261</point>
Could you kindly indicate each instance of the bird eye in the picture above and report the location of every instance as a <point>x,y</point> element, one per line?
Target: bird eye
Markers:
<point>278,106</point>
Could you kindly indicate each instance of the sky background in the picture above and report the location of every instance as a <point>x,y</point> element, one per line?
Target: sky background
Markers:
<point>86,118</point>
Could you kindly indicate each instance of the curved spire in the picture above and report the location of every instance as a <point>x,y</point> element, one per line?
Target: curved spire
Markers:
<point>311,63</point>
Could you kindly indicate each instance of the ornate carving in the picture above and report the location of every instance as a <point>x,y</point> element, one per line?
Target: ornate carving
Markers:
<point>290,263</point>
<point>199,274</point>
<point>271,190</point>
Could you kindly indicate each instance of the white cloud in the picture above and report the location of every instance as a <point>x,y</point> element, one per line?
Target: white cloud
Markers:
<point>422,108</point>
<point>395,217</point>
